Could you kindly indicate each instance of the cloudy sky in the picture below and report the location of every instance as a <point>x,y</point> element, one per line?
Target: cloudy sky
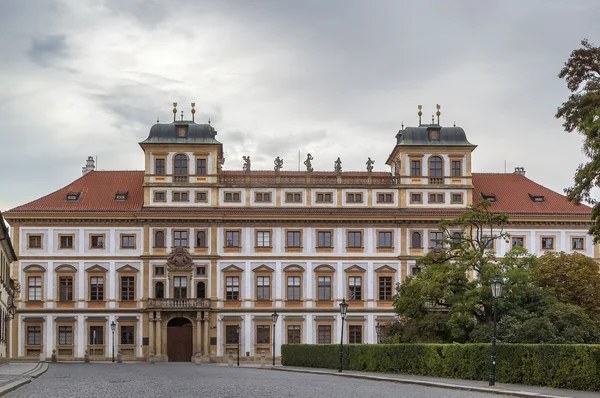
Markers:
<point>333,78</point>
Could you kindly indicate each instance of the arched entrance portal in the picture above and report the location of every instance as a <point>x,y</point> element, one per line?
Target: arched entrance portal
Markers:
<point>179,340</point>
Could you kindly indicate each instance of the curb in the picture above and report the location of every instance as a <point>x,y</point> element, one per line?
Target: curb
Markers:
<point>34,374</point>
<point>488,390</point>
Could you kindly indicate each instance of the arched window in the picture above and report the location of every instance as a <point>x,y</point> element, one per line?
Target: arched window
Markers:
<point>200,290</point>
<point>159,290</point>
<point>159,239</point>
<point>416,240</point>
<point>201,239</point>
<point>435,166</point>
<point>456,238</point>
<point>180,165</point>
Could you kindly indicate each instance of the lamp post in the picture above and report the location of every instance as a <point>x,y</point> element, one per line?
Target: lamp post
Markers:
<point>274,318</point>
<point>496,285</point>
<point>113,326</point>
<point>343,310</point>
<point>238,330</point>
<point>378,332</point>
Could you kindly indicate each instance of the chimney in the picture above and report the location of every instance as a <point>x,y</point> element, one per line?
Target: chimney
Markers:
<point>89,166</point>
<point>520,170</point>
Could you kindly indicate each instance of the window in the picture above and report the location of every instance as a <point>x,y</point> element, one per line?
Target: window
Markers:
<point>263,288</point>
<point>294,239</point>
<point>159,239</point>
<point>435,166</point>
<point>354,239</point>
<point>121,195</point>
<point>293,288</point>
<point>262,197</point>
<point>536,198</point>
<point>324,334</point>
<point>577,243</point>
<point>180,165</point>
<point>232,238</point>
<point>180,238</point>
<point>385,288</point>
<point>355,288</point>
<point>97,288</point>
<point>232,197</point>
<point>35,241</point>
<point>65,335</point>
<point>355,334</point>
<point>324,197</point>
<point>97,241</point>
<point>456,238</point>
<point>354,198</point>
<point>128,241</point>
<point>489,242</point>
<point>415,270</point>
<point>201,167</point>
<point>456,168</point>
<point>416,198</point>
<point>457,198</point>
<point>231,334</point>
<point>181,130</point>
<point>384,239</point>
<point>159,290</point>
<point>517,241</point>
<point>293,334</point>
<point>324,288</point>
<point>159,271</point>
<point>263,239</point>
<point>491,198</point>
<point>415,240</point>
<point>34,284</point>
<point>73,196</point>
<point>263,334</point>
<point>547,243</point>
<point>415,168</point>
<point>385,198</point>
<point>324,239</point>
<point>65,288</point>
<point>200,271</point>
<point>200,290</point>
<point>436,198</point>
<point>127,288</point>
<point>201,197</point>
<point>96,335</point>
<point>181,197</point>
<point>159,167</point>
<point>201,239</point>
<point>66,241</point>
<point>179,287</point>
<point>159,197</point>
<point>232,287</point>
<point>293,197</point>
<point>435,240</point>
<point>127,336</point>
<point>34,335</point>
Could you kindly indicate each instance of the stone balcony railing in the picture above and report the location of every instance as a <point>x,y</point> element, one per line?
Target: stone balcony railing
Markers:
<point>178,303</point>
<point>436,180</point>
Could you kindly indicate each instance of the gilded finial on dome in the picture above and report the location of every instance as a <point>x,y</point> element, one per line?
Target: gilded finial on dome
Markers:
<point>438,113</point>
<point>420,113</point>
<point>174,110</point>
<point>193,110</point>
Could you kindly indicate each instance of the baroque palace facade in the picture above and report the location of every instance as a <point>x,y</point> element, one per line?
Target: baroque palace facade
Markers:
<point>7,288</point>
<point>185,260</point>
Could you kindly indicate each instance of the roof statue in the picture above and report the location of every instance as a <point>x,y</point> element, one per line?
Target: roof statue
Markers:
<point>338,166</point>
<point>308,164</point>
<point>278,164</point>
<point>397,167</point>
<point>220,163</point>
<point>246,163</point>
<point>370,165</point>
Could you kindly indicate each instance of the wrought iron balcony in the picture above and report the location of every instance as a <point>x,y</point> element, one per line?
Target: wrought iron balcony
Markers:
<point>178,303</point>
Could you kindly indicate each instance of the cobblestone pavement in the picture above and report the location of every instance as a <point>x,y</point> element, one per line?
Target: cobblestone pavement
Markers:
<point>186,380</point>
<point>16,370</point>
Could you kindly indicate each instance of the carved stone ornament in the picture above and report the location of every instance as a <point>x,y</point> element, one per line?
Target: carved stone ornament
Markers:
<point>179,260</point>
<point>278,164</point>
<point>337,166</point>
<point>308,164</point>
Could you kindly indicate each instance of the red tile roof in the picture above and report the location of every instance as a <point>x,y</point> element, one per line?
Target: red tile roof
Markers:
<point>98,189</point>
<point>512,195</point>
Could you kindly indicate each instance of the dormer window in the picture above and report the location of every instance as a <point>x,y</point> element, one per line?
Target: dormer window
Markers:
<point>73,196</point>
<point>489,197</point>
<point>434,135</point>
<point>536,198</point>
<point>181,131</point>
<point>121,195</point>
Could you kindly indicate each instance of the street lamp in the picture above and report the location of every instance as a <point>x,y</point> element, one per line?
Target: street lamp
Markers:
<point>496,285</point>
<point>378,332</point>
<point>274,317</point>
<point>343,310</point>
<point>113,326</point>
<point>238,329</point>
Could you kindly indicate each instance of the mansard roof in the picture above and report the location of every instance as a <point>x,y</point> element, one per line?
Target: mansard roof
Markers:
<point>422,136</point>
<point>163,133</point>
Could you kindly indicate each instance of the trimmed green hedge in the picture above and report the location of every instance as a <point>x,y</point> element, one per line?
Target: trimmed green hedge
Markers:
<point>572,366</point>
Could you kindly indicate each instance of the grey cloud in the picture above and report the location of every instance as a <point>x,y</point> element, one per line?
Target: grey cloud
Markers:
<point>45,50</point>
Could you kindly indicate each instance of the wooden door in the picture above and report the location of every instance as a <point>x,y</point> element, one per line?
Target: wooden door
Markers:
<point>179,343</point>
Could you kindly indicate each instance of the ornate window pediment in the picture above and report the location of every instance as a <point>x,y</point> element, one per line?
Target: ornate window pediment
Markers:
<point>385,268</point>
<point>263,268</point>
<point>232,268</point>
<point>355,268</point>
<point>293,268</point>
<point>96,268</point>
<point>34,268</point>
<point>65,268</point>
<point>127,268</point>
<point>324,268</point>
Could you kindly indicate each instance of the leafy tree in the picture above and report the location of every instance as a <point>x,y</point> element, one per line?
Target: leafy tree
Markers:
<point>581,113</point>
